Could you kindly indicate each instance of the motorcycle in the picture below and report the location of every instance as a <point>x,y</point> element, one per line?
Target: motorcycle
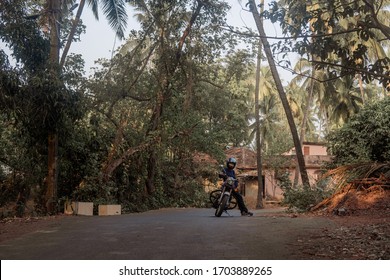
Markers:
<point>222,199</point>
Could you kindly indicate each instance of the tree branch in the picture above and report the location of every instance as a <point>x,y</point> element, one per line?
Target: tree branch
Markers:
<point>383,28</point>
<point>359,70</point>
<point>188,29</point>
<point>211,83</point>
<point>254,35</point>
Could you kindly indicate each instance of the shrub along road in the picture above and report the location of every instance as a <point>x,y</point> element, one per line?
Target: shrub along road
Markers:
<point>167,234</point>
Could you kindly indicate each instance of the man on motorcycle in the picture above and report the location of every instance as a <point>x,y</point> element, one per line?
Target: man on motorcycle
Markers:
<point>228,171</point>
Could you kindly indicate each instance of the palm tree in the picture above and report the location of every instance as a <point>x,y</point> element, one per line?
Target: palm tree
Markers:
<point>282,94</point>
<point>260,186</point>
<point>346,100</point>
<point>269,109</point>
<point>115,12</point>
<point>302,97</point>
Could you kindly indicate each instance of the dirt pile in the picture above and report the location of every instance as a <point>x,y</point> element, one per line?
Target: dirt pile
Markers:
<point>362,215</point>
<point>356,201</point>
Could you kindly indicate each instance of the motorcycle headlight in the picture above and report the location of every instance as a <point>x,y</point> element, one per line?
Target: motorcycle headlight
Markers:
<point>230,181</point>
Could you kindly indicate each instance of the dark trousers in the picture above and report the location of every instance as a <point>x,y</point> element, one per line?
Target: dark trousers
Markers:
<point>240,201</point>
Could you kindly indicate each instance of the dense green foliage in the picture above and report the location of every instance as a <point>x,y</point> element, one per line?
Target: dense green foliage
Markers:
<point>112,126</point>
<point>302,199</point>
<point>136,131</point>
<point>344,37</point>
<point>365,137</point>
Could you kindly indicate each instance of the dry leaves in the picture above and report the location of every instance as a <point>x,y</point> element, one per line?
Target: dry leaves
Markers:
<point>349,242</point>
<point>362,216</point>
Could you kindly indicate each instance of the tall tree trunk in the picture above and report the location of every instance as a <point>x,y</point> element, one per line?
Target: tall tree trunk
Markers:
<point>260,186</point>
<point>189,88</point>
<point>306,114</point>
<point>107,166</point>
<point>51,191</point>
<point>154,126</point>
<point>75,22</point>
<point>52,173</point>
<point>282,94</point>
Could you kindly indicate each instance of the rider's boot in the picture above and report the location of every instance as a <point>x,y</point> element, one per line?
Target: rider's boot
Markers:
<point>246,213</point>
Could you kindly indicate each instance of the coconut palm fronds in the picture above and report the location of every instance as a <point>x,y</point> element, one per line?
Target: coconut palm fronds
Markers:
<point>360,174</point>
<point>352,178</point>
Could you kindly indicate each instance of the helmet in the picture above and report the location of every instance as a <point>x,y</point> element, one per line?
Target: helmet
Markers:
<point>231,163</point>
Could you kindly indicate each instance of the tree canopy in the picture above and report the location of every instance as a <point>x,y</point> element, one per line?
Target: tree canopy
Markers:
<point>180,89</point>
<point>344,37</point>
<point>365,137</point>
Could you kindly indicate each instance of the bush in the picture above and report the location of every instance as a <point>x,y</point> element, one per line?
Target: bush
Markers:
<point>302,199</point>
<point>365,138</point>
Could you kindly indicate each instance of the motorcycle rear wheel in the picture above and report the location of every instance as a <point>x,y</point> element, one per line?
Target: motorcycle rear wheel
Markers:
<point>214,196</point>
<point>222,206</point>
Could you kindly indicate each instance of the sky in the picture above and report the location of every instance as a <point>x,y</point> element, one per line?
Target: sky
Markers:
<point>100,41</point>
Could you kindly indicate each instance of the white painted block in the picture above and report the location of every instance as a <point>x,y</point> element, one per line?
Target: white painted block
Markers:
<point>83,208</point>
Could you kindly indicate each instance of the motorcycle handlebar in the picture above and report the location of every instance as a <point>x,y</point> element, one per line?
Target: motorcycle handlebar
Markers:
<point>224,177</point>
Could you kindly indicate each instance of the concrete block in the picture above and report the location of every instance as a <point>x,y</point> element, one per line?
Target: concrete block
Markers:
<point>110,209</point>
<point>80,208</point>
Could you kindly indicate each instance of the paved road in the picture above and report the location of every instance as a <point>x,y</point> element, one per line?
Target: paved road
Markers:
<point>167,234</point>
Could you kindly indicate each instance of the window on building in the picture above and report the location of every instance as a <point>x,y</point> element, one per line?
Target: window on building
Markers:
<point>306,150</point>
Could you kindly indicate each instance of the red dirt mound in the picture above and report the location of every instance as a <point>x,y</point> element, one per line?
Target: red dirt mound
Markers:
<point>352,201</point>
<point>362,216</point>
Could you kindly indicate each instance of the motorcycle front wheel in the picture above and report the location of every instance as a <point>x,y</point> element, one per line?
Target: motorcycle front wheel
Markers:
<point>214,197</point>
<point>222,206</point>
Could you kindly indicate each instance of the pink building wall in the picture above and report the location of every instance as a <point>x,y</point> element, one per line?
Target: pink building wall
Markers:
<point>315,156</point>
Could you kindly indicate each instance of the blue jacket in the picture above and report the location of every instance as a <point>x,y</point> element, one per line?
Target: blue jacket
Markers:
<point>231,173</point>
